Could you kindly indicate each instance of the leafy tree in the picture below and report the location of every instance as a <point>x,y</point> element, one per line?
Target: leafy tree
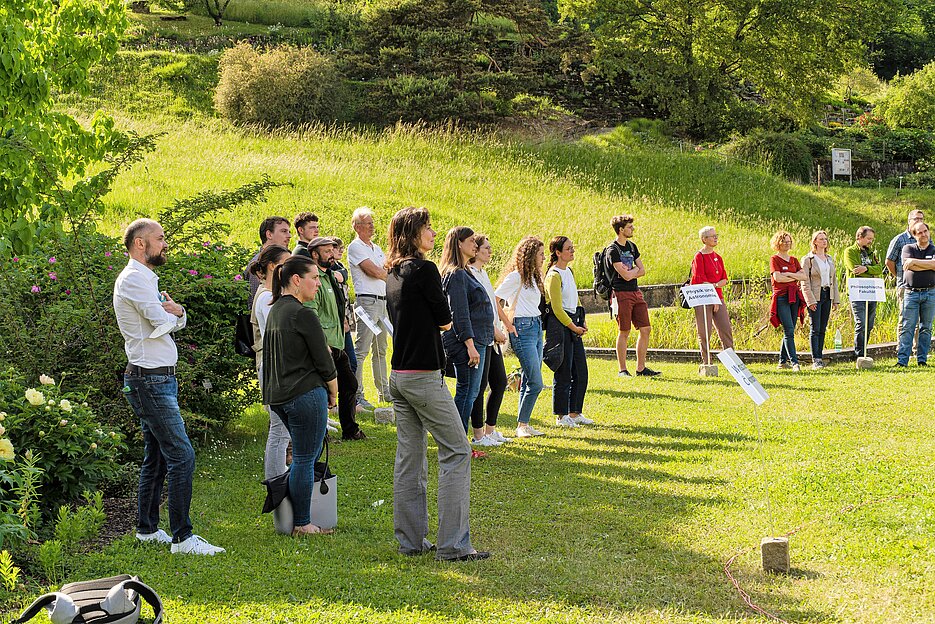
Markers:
<point>216,9</point>
<point>910,100</point>
<point>47,47</point>
<point>906,42</point>
<point>697,60</point>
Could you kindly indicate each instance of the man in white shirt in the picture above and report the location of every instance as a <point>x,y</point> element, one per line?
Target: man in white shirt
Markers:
<point>369,278</point>
<point>146,318</point>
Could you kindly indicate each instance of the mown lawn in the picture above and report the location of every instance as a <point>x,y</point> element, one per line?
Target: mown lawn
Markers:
<point>628,521</point>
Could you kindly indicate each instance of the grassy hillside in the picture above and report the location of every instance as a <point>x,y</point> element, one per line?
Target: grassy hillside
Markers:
<point>503,188</point>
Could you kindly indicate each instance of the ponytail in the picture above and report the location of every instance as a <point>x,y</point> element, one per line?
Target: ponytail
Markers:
<point>282,275</point>
<point>555,247</point>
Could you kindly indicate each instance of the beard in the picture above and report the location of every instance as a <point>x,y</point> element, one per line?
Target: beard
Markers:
<point>155,260</point>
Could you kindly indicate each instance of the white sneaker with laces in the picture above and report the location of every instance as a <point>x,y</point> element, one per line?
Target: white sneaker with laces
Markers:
<point>196,545</point>
<point>526,431</point>
<point>333,423</point>
<point>331,429</point>
<point>485,441</point>
<point>159,536</point>
<point>499,437</point>
<point>581,419</point>
<point>565,421</point>
<point>795,368</point>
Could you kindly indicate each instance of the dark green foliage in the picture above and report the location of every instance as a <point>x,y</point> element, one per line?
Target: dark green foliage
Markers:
<point>779,153</point>
<point>874,141</point>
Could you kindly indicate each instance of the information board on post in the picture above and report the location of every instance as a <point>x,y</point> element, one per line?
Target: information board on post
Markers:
<point>742,374</point>
<point>866,289</point>
<point>700,295</point>
<point>840,162</point>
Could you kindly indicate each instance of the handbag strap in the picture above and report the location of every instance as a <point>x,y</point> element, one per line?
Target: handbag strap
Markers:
<point>324,474</point>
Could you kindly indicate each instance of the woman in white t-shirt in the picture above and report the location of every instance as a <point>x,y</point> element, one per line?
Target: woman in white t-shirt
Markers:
<point>274,462</point>
<point>820,291</point>
<point>521,291</point>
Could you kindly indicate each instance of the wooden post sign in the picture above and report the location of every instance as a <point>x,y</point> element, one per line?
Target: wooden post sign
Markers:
<point>742,374</point>
<point>866,289</point>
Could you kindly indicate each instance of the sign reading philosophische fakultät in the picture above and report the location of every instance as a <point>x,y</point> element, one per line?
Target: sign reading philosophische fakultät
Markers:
<point>700,295</point>
<point>866,289</point>
<point>742,374</point>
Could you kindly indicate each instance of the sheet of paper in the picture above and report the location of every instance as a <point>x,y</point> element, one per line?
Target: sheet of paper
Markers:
<point>700,295</point>
<point>366,320</point>
<point>742,374</point>
<point>866,289</point>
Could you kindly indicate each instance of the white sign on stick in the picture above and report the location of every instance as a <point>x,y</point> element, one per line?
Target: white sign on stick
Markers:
<point>701,295</point>
<point>840,162</point>
<point>363,316</point>
<point>743,375</point>
<point>866,289</point>
<point>385,322</point>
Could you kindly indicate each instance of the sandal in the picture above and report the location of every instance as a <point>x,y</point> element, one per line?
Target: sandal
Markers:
<point>310,529</point>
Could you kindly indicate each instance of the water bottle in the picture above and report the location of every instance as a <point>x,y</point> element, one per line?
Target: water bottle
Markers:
<point>838,342</point>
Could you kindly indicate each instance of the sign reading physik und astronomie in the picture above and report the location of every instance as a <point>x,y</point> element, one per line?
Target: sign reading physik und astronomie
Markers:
<point>700,295</point>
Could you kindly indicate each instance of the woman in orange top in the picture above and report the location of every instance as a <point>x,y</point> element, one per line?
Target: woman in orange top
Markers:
<point>788,302</point>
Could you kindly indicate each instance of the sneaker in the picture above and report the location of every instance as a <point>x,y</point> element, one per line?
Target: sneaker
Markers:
<point>478,454</point>
<point>581,419</point>
<point>795,368</point>
<point>526,431</point>
<point>196,545</point>
<point>624,373</point>
<point>159,536</point>
<point>784,365</point>
<point>499,437</point>
<point>565,421</point>
<point>817,364</point>
<point>331,429</point>
<point>357,436</point>
<point>485,441</point>
<point>333,423</point>
<point>364,403</point>
<point>921,363</point>
<point>647,372</point>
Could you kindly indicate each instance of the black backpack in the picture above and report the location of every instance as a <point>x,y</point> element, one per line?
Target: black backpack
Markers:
<point>114,600</point>
<point>602,278</point>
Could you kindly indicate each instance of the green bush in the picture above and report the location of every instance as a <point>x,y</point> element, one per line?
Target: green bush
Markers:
<point>283,87</point>
<point>779,153</point>
<point>910,100</point>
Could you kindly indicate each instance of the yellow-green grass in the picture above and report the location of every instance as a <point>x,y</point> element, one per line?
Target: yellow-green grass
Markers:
<point>631,520</point>
<point>505,189</point>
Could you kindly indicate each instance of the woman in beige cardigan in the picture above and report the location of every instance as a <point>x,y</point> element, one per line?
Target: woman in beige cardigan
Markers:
<point>820,290</point>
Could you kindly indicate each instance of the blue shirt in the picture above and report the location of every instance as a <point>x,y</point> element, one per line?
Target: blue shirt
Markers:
<point>895,253</point>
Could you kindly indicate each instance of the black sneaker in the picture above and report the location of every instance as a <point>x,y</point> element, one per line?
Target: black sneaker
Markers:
<point>474,556</point>
<point>647,372</point>
<point>922,364</point>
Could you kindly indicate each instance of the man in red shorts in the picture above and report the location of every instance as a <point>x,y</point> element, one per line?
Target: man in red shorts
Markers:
<point>631,307</point>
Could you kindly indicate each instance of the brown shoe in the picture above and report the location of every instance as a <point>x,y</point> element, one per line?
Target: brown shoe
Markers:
<point>357,436</point>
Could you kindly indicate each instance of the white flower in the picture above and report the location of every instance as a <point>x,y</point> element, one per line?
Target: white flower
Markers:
<point>84,404</point>
<point>48,407</point>
<point>113,434</point>
<point>2,416</point>
<point>63,422</point>
<point>35,397</point>
<point>2,430</point>
<point>93,446</point>
<point>6,450</point>
<point>45,380</point>
<point>65,404</point>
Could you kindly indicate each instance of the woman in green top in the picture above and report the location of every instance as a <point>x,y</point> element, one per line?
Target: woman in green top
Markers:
<point>300,380</point>
<point>561,293</point>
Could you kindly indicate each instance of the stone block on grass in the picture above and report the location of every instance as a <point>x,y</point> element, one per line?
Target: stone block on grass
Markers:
<point>775,555</point>
<point>384,415</point>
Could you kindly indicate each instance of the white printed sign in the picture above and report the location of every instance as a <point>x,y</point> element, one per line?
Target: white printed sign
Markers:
<point>700,295</point>
<point>841,162</point>
<point>866,289</point>
<point>363,316</point>
<point>385,321</point>
<point>743,376</point>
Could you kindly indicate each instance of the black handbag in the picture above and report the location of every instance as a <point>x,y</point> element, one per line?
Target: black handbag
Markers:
<point>682,301</point>
<point>243,337</point>
<point>553,351</point>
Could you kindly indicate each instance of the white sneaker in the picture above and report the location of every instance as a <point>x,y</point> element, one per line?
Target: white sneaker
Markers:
<point>795,368</point>
<point>159,536</point>
<point>196,545</point>
<point>581,419</point>
<point>499,437</point>
<point>331,429</point>
<point>526,431</point>
<point>565,421</point>
<point>333,423</point>
<point>485,441</point>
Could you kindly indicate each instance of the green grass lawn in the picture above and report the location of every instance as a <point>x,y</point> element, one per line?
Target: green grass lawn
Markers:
<point>631,520</point>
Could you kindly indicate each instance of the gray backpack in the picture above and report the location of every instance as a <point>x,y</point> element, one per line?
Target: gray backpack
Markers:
<point>114,600</point>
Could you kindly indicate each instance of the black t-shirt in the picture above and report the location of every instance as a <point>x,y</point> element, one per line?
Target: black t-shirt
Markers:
<point>627,254</point>
<point>417,306</point>
<point>918,279</point>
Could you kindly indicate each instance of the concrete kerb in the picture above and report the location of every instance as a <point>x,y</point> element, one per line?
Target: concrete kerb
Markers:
<point>887,349</point>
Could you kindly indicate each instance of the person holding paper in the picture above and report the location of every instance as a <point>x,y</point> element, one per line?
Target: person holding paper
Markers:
<point>918,261</point>
<point>860,260</point>
<point>708,268</point>
<point>522,290</point>
<point>894,264</point>
<point>419,310</point>
<point>820,290</point>
<point>788,302</point>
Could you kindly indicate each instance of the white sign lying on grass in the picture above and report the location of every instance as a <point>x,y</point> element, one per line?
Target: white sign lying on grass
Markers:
<point>700,295</point>
<point>866,289</point>
<point>743,375</point>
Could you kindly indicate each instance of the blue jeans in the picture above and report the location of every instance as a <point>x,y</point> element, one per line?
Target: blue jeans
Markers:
<point>167,453</point>
<point>571,378</point>
<point>468,386</point>
<point>788,315</point>
<point>918,310</point>
<point>527,346</point>
<point>819,323</point>
<point>306,417</point>
<point>865,314</point>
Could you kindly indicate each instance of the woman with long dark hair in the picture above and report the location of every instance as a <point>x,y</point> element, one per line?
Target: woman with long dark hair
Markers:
<point>472,325</point>
<point>274,460</point>
<point>571,377</point>
<point>494,373</point>
<point>418,310</point>
<point>300,379</point>
<point>521,290</point>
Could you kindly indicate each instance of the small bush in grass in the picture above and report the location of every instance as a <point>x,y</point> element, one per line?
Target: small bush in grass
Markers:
<point>286,86</point>
<point>778,152</point>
